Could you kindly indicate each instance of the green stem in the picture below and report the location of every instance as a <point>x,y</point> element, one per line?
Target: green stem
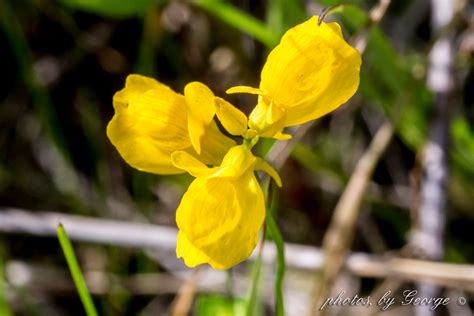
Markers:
<point>76,273</point>
<point>4,308</point>
<point>275,234</point>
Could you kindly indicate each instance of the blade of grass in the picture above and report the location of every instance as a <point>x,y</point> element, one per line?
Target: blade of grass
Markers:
<point>252,304</point>
<point>275,234</point>
<point>240,20</point>
<point>4,308</point>
<point>283,14</point>
<point>76,273</point>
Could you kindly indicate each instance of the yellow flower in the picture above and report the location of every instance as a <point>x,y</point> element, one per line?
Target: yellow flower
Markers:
<point>152,121</point>
<point>309,74</point>
<point>220,215</point>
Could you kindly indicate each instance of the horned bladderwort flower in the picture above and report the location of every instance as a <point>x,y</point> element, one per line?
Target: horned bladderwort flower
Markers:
<point>152,121</point>
<point>310,73</point>
<point>220,216</point>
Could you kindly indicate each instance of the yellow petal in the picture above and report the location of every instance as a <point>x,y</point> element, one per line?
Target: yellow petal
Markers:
<point>336,28</point>
<point>135,85</point>
<point>281,136</point>
<point>148,126</point>
<point>221,219</point>
<point>238,160</point>
<point>189,163</point>
<point>311,72</point>
<point>201,110</point>
<point>233,120</point>
<point>265,119</point>
<point>192,256</point>
<point>150,123</point>
<point>215,146</point>
<point>245,89</point>
<point>275,114</point>
<point>265,166</point>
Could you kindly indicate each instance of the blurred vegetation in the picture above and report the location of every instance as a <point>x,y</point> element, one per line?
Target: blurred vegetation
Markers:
<point>63,61</point>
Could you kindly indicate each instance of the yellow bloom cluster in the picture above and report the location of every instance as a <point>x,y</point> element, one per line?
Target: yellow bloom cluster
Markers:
<point>310,73</point>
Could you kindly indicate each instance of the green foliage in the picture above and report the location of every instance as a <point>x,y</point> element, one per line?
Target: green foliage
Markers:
<point>275,235</point>
<point>329,3</point>
<point>4,307</point>
<point>210,305</point>
<point>240,20</point>
<point>282,15</point>
<point>463,144</point>
<point>253,302</point>
<point>113,8</point>
<point>353,17</point>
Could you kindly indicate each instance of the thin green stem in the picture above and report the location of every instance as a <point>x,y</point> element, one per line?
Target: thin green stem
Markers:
<point>4,307</point>
<point>76,273</point>
<point>275,234</point>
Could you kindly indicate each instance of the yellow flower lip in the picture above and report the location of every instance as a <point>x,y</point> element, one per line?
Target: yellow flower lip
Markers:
<point>237,161</point>
<point>223,207</point>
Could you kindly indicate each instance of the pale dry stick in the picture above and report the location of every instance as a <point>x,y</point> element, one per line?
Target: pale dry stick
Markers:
<point>163,239</point>
<point>431,215</point>
<point>340,233</point>
<point>376,14</point>
<point>389,284</point>
<point>183,301</point>
<point>456,276</point>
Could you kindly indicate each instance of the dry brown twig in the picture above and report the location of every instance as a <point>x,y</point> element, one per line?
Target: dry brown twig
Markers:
<point>431,215</point>
<point>339,235</point>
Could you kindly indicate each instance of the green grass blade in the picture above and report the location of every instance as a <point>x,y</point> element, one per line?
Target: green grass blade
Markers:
<point>274,233</point>
<point>118,9</point>
<point>4,307</point>
<point>252,302</point>
<point>283,14</point>
<point>240,20</point>
<point>76,272</point>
